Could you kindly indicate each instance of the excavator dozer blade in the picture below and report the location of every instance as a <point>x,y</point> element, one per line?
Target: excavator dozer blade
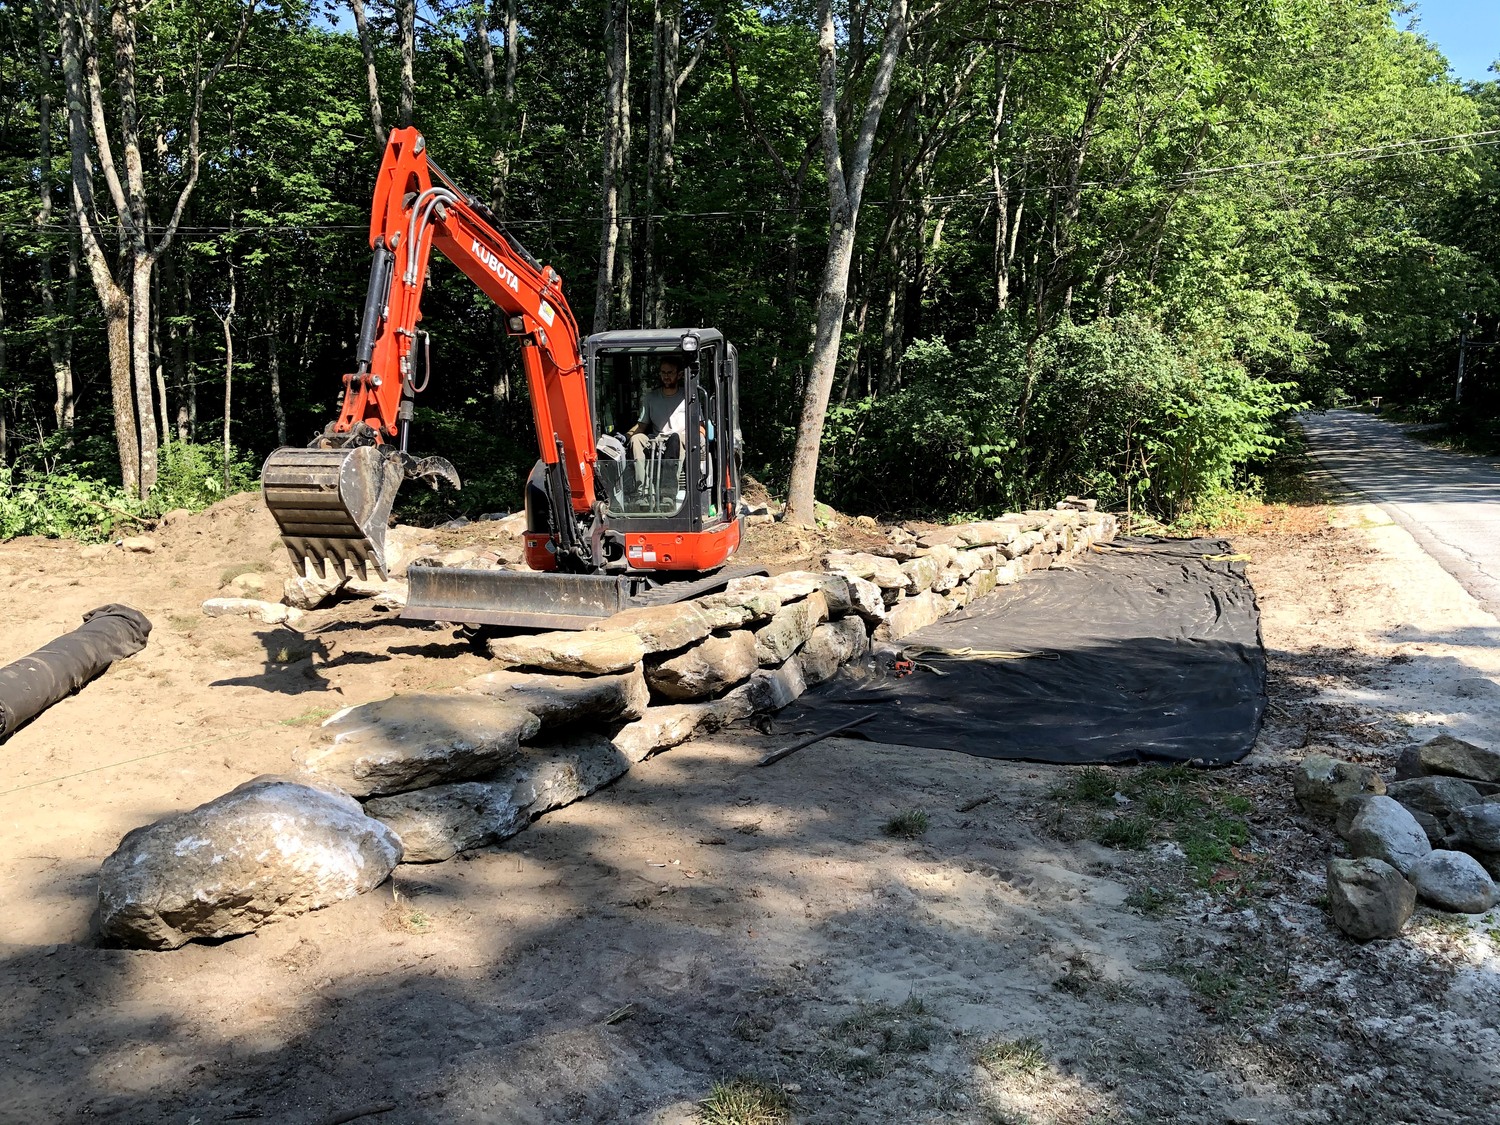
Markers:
<point>529,599</point>
<point>332,506</point>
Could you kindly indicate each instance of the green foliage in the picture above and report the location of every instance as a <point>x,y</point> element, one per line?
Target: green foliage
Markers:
<point>194,476</point>
<point>73,499</point>
<point>62,504</point>
<point>1117,290</point>
<point>1117,408</point>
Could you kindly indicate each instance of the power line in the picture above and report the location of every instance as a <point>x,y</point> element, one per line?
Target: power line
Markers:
<point>1417,147</point>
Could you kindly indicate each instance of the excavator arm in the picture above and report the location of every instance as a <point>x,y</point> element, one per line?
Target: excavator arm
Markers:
<point>333,499</point>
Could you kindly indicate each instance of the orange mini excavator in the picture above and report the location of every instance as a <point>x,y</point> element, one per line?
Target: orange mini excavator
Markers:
<point>610,523</point>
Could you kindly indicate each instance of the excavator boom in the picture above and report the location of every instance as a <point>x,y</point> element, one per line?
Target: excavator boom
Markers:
<point>333,499</point>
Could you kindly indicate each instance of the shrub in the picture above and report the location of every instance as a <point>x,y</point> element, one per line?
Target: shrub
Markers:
<point>43,495</point>
<point>1117,408</point>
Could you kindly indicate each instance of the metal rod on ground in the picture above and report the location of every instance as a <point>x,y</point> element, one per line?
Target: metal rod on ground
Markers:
<point>348,1115</point>
<point>776,755</point>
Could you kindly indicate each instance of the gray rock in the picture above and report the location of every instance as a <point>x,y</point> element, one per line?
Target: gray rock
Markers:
<point>413,741</point>
<point>309,593</point>
<point>982,583</point>
<point>1453,881</point>
<point>885,573</point>
<point>748,606</point>
<point>1438,796</point>
<point>1448,755</point>
<point>592,652</point>
<point>1476,827</point>
<point>1437,830</point>
<point>771,689</point>
<point>705,669</point>
<point>663,628</point>
<point>1382,829</point>
<point>789,629</point>
<point>271,848</point>
<point>1409,764</point>
<point>560,701</point>
<point>865,599</point>
<point>661,728</point>
<point>921,574</point>
<point>437,823</point>
<point>267,613</point>
<point>911,614</point>
<point>1368,898</point>
<point>1323,783</point>
<point>830,647</point>
<point>794,585</point>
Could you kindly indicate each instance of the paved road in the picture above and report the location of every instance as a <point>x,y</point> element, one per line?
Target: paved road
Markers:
<point>1450,502</point>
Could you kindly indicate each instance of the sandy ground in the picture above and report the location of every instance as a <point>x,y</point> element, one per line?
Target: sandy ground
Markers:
<point>704,919</point>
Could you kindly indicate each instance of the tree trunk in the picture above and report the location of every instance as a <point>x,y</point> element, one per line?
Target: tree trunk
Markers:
<point>845,193</point>
<point>406,12</point>
<point>512,50</point>
<point>651,303</point>
<point>81,82</point>
<point>609,232</point>
<point>59,343</point>
<point>625,254</point>
<point>187,411</point>
<point>372,79</point>
<point>227,321</point>
<point>159,370</point>
<point>273,366</point>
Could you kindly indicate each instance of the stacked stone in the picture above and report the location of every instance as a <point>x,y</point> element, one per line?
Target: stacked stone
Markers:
<point>1432,834</point>
<point>435,774</point>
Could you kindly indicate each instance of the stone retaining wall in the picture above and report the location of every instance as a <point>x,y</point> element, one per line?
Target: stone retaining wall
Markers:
<point>569,712</point>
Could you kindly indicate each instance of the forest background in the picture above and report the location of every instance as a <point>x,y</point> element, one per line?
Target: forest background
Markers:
<point>975,254</point>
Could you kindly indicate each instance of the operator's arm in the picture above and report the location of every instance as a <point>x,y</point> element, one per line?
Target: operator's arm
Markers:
<point>643,423</point>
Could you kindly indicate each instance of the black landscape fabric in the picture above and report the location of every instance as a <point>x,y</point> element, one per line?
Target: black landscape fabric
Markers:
<point>1143,650</point>
<point>59,668</point>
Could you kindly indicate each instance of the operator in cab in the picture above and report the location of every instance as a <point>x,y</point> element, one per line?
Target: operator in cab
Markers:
<point>663,417</point>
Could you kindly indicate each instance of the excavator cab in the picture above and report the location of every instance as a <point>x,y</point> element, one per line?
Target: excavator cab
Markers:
<point>668,500</point>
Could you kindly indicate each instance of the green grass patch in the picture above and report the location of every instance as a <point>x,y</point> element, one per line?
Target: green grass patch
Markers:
<point>908,825</point>
<point>1007,1057</point>
<point>1151,900</point>
<point>309,718</point>
<point>1162,803</point>
<point>746,1100</point>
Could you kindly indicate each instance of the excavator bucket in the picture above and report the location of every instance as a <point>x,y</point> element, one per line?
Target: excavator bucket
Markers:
<point>332,506</point>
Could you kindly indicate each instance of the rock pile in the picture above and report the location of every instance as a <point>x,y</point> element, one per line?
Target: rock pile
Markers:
<point>1433,834</point>
<point>567,713</point>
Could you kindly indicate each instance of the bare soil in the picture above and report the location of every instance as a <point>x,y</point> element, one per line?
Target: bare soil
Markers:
<point>704,919</point>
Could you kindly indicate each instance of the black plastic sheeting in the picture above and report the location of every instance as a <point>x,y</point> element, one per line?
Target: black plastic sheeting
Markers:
<point>1143,650</point>
<point>56,670</point>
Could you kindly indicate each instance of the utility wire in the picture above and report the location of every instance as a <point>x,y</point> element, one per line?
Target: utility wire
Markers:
<point>1486,138</point>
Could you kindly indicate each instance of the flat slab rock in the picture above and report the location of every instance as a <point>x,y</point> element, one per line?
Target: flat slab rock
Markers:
<point>1455,757</point>
<point>271,848</point>
<point>413,741</point>
<point>559,701</point>
<point>591,652</point>
<point>437,823</point>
